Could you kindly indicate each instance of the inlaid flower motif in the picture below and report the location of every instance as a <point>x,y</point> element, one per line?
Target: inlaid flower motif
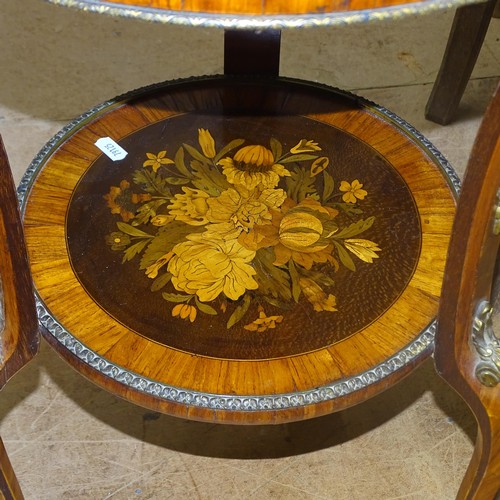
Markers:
<point>305,146</point>
<point>118,240</point>
<point>153,269</point>
<point>363,249</point>
<point>156,161</point>
<point>352,191</point>
<point>253,166</point>
<point>244,209</point>
<point>121,200</point>
<point>161,220</point>
<point>190,207</point>
<point>319,165</point>
<point>184,311</point>
<point>298,232</point>
<point>208,266</point>
<point>207,143</point>
<point>263,322</point>
<point>218,236</point>
<point>320,300</point>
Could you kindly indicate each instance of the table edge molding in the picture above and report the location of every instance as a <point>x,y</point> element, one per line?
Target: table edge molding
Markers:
<point>277,21</point>
<point>237,403</point>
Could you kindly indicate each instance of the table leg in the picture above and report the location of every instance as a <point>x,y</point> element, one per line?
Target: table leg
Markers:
<point>9,487</point>
<point>466,38</point>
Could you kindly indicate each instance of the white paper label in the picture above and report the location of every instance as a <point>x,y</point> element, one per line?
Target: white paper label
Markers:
<point>111,149</point>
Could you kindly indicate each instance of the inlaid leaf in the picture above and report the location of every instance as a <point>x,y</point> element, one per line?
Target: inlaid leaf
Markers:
<point>294,275</point>
<point>177,181</point>
<point>298,157</point>
<point>240,311</point>
<point>300,185</point>
<point>328,186</point>
<point>176,297</point>
<point>225,150</point>
<point>321,278</point>
<point>195,153</point>
<point>355,228</point>
<point>208,178</point>
<point>205,308</point>
<point>160,282</point>
<point>271,279</point>
<point>167,237</point>
<point>276,149</point>
<point>132,231</point>
<point>277,303</point>
<point>134,249</point>
<point>344,257</point>
<point>349,208</point>
<point>146,211</point>
<point>180,164</point>
<point>152,182</point>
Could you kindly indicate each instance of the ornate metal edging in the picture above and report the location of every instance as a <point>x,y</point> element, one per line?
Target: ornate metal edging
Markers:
<point>227,21</point>
<point>241,402</point>
<point>487,345</point>
<point>496,215</point>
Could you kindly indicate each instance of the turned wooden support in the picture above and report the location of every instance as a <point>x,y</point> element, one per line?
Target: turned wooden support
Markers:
<point>248,52</point>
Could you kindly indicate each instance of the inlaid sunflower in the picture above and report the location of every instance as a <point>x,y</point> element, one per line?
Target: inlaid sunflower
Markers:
<point>253,166</point>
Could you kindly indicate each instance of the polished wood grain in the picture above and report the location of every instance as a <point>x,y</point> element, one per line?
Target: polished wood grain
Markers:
<point>220,368</point>
<point>19,336</point>
<point>468,281</point>
<point>259,7</point>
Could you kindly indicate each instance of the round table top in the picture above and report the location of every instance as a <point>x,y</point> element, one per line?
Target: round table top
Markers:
<point>258,14</point>
<point>238,249</point>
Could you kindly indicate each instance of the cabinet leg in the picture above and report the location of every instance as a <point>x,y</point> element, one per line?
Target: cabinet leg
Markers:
<point>9,487</point>
<point>466,38</point>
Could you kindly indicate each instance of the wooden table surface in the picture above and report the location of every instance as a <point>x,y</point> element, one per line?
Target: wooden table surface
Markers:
<point>243,250</point>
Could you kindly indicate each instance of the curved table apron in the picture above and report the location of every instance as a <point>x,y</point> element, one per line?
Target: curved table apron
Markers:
<point>239,250</point>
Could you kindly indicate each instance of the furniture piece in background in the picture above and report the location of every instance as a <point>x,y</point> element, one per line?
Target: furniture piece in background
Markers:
<point>469,28</point>
<point>19,334</point>
<point>467,352</point>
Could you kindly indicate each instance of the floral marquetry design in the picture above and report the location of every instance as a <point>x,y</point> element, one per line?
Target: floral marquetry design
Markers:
<point>252,257</point>
<point>231,237</point>
<point>222,226</point>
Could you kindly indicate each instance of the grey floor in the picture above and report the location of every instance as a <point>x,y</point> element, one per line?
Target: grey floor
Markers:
<point>70,440</point>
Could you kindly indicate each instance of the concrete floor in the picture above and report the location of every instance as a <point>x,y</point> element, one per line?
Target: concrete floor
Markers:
<point>68,439</point>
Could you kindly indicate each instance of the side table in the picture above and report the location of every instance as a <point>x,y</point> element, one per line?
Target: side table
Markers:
<point>239,249</point>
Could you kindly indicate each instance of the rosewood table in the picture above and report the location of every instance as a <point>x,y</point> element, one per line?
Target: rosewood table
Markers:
<point>241,248</point>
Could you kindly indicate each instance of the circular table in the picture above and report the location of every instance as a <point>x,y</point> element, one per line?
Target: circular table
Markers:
<point>238,249</point>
